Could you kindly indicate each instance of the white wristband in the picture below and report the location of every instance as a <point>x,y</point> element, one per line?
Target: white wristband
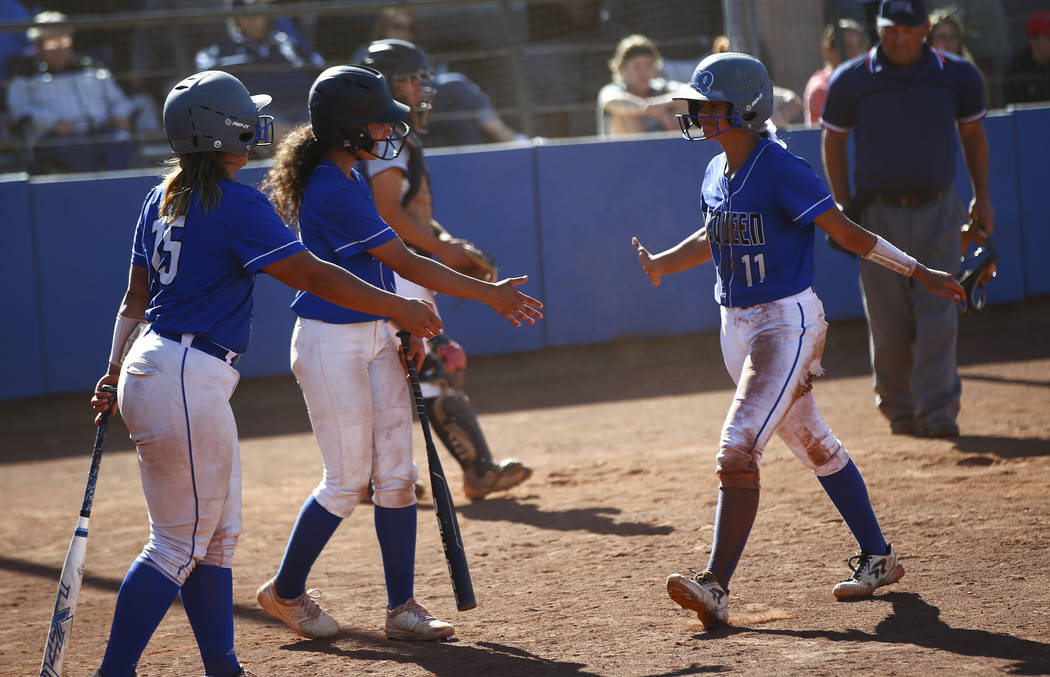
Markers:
<point>888,256</point>
<point>122,329</point>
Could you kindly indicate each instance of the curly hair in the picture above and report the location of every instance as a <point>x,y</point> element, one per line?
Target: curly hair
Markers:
<point>296,157</point>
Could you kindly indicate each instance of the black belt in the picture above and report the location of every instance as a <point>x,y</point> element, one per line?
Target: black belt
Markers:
<point>202,344</point>
<point>909,200</point>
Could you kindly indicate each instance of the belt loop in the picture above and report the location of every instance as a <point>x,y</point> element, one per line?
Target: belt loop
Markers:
<point>187,340</point>
<point>231,358</point>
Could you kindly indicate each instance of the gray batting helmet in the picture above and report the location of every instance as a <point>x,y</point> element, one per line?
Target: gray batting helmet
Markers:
<point>345,99</point>
<point>212,110</point>
<point>740,79</point>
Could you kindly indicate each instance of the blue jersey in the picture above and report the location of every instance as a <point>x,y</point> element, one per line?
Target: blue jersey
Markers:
<point>339,223</point>
<point>201,266</point>
<point>760,225</point>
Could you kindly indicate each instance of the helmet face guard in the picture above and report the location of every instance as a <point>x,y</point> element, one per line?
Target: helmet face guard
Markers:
<point>691,123</point>
<point>388,147</point>
<point>264,131</point>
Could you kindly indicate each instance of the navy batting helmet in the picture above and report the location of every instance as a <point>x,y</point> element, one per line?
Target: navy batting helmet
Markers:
<point>741,80</point>
<point>400,59</point>
<point>345,99</point>
<point>212,110</point>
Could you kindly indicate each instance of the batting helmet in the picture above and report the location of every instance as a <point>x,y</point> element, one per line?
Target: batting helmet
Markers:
<point>741,80</point>
<point>400,59</point>
<point>212,110</point>
<point>345,99</point>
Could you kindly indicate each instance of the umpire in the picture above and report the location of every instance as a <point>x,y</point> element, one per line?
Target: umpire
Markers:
<point>904,101</point>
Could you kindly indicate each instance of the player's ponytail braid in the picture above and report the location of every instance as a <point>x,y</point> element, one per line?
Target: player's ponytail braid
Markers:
<point>191,173</point>
<point>284,184</point>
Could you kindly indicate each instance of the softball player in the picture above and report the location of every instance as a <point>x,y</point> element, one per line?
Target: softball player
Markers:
<point>347,362</point>
<point>759,204</point>
<point>200,239</point>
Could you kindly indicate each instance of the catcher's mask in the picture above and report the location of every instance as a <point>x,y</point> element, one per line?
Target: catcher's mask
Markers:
<point>741,80</point>
<point>345,99</point>
<point>977,270</point>
<point>401,60</point>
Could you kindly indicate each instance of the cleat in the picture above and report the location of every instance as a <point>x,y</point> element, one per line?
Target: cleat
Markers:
<point>509,473</point>
<point>703,594</point>
<point>411,621</point>
<point>302,614</point>
<point>869,573</point>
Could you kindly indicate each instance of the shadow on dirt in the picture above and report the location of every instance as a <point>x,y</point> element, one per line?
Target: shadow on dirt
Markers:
<point>593,520</point>
<point>1003,447</point>
<point>917,622</point>
<point>445,659</point>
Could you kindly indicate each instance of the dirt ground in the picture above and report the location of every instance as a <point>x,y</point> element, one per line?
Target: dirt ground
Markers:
<point>569,568</point>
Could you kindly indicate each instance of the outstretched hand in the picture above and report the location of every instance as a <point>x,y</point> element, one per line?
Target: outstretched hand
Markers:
<point>511,303</point>
<point>939,282</point>
<point>646,259</point>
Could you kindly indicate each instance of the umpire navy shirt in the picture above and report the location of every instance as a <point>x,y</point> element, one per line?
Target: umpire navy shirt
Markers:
<point>903,118</point>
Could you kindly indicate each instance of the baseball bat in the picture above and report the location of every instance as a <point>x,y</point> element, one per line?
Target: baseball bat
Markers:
<point>448,525</point>
<point>73,569</point>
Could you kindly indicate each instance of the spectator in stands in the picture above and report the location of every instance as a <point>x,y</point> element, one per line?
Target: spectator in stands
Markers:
<point>986,30</point>
<point>68,110</point>
<point>638,99</point>
<point>947,31</point>
<point>854,43</point>
<point>1028,77</point>
<point>266,58</point>
<point>465,115</point>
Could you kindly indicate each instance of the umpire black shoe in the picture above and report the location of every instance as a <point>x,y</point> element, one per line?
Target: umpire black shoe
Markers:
<point>943,430</point>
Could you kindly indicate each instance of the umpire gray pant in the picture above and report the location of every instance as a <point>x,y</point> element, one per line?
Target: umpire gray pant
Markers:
<point>912,333</point>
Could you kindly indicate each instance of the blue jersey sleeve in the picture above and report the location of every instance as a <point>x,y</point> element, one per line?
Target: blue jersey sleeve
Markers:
<point>258,237</point>
<point>799,192</point>
<point>139,255</point>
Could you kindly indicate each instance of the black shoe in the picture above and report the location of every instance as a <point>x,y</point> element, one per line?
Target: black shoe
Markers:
<point>905,427</point>
<point>943,430</point>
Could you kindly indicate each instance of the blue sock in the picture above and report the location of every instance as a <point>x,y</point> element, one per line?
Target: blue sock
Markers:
<point>309,536</point>
<point>144,598</point>
<point>207,597</point>
<point>396,531</point>
<point>734,517</point>
<point>847,491</point>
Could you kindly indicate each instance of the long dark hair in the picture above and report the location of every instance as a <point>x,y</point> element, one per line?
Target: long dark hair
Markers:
<point>296,157</point>
<point>191,173</point>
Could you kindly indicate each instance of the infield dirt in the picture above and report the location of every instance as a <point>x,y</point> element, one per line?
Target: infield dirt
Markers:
<point>569,568</point>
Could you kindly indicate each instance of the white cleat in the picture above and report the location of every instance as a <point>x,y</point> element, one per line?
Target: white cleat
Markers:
<point>411,621</point>
<point>703,594</point>
<point>302,614</point>
<point>870,572</point>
